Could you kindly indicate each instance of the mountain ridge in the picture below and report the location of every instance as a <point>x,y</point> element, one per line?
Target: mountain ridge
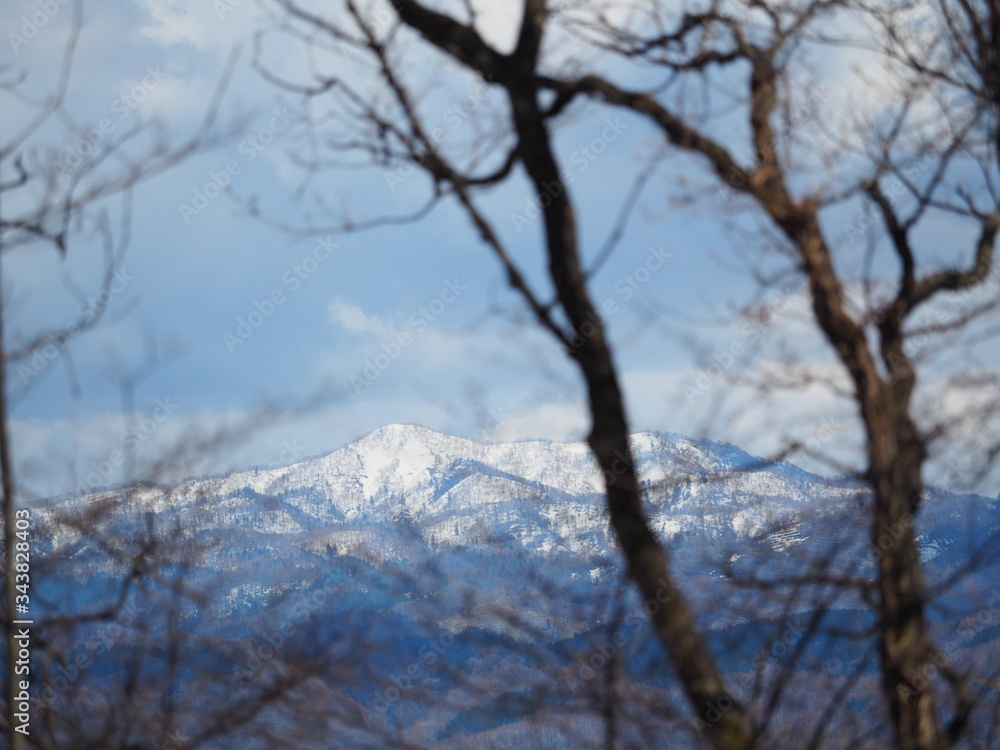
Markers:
<point>544,495</point>
<point>409,536</point>
<point>407,432</point>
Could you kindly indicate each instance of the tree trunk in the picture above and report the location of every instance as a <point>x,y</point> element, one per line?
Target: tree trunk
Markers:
<point>896,455</point>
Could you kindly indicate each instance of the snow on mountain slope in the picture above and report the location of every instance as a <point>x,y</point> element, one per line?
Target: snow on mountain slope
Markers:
<point>460,491</point>
<point>546,496</point>
<point>401,462</point>
<point>408,498</point>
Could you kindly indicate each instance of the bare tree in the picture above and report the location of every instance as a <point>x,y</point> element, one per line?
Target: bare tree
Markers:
<point>120,665</point>
<point>943,117</point>
<point>48,204</point>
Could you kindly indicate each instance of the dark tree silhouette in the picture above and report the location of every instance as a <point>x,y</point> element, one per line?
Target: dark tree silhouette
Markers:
<point>943,51</point>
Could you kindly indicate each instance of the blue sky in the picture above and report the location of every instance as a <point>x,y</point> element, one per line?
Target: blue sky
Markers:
<point>241,314</point>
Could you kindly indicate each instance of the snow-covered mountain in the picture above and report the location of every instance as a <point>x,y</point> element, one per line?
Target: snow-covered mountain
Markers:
<point>406,482</point>
<point>459,492</point>
<point>408,495</point>
<point>408,534</point>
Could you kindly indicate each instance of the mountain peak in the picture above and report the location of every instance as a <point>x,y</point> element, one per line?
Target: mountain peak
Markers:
<point>399,431</point>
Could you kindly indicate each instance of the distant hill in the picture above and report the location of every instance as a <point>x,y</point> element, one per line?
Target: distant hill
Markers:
<point>499,558</point>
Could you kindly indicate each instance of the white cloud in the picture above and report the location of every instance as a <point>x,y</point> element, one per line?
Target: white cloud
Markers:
<point>205,25</point>
<point>353,319</point>
<point>556,421</point>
